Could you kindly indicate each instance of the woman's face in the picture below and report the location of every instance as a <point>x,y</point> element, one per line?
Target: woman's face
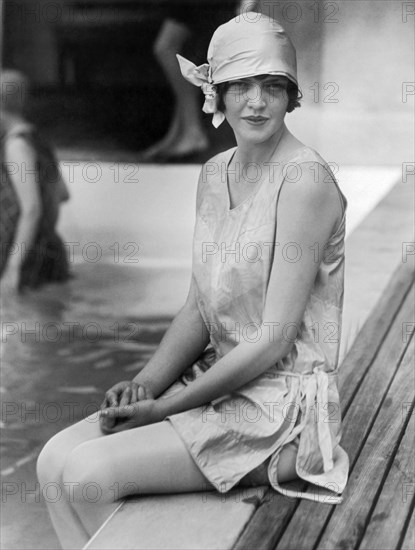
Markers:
<point>256,107</point>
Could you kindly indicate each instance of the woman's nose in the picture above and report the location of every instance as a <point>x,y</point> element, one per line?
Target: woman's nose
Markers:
<point>255,96</point>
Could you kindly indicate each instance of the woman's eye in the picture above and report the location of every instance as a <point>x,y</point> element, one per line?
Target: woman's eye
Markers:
<point>238,89</point>
<point>238,85</point>
<point>274,87</point>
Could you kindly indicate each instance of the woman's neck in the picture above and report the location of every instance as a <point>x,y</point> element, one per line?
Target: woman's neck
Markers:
<point>275,148</point>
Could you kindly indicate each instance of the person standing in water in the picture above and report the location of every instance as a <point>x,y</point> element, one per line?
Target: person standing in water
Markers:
<point>32,253</point>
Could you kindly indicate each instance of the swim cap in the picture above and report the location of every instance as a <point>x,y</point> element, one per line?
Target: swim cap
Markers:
<point>248,45</point>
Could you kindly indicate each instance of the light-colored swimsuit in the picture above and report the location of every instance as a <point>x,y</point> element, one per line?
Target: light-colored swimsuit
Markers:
<point>297,398</point>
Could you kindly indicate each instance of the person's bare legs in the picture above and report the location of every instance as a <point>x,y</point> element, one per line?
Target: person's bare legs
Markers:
<point>185,134</point>
<point>96,471</point>
<point>148,460</point>
<point>93,472</point>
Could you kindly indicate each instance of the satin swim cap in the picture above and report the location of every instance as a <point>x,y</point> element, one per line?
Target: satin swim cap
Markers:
<point>248,45</point>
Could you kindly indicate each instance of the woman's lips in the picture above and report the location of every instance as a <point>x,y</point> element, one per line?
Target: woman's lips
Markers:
<point>255,119</point>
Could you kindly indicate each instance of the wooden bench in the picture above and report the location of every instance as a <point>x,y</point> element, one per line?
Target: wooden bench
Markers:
<point>376,387</point>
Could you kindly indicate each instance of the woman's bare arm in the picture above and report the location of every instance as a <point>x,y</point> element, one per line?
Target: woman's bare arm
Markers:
<point>182,345</point>
<point>184,341</point>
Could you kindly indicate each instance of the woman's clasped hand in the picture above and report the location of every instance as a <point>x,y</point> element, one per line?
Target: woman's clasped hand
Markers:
<point>127,405</point>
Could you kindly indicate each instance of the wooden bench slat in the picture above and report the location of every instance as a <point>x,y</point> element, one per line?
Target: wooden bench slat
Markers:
<point>270,520</point>
<point>387,522</point>
<point>408,542</point>
<point>367,343</point>
<point>348,521</point>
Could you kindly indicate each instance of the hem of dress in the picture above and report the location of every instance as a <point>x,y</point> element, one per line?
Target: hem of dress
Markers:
<point>220,485</point>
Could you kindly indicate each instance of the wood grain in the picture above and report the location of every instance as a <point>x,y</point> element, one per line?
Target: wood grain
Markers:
<point>387,522</point>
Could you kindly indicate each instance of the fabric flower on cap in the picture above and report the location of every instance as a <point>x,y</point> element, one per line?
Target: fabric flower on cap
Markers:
<point>201,76</point>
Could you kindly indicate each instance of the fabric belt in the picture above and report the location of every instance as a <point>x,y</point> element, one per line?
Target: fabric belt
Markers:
<point>315,387</point>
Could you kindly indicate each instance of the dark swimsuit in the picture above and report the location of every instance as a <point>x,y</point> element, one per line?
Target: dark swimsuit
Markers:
<point>47,260</point>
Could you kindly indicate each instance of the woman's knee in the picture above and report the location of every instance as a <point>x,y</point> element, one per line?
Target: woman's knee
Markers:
<point>54,454</point>
<point>88,475</point>
<point>51,459</point>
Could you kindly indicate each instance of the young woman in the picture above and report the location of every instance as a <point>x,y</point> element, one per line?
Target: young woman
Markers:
<point>243,386</point>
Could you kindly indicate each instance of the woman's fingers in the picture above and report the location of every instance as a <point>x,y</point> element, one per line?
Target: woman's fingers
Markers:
<point>115,413</point>
<point>106,421</point>
<point>134,393</point>
<point>123,394</point>
<point>112,398</point>
<point>141,393</point>
<point>126,397</point>
<point>115,419</point>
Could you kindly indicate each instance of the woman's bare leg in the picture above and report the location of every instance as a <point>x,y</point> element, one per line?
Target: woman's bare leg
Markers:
<point>96,471</point>
<point>186,131</point>
<point>148,460</point>
<point>93,472</point>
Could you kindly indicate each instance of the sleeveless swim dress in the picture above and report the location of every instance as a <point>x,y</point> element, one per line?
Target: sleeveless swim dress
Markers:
<point>297,398</point>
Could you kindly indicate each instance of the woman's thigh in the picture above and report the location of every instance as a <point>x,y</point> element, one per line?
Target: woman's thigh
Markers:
<point>145,460</point>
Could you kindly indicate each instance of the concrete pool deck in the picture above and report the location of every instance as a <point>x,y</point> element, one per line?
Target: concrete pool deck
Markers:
<point>107,321</point>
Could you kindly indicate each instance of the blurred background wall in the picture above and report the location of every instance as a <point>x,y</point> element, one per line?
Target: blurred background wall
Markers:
<point>97,85</point>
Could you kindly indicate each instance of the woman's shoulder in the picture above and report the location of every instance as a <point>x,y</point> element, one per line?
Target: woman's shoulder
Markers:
<point>307,162</point>
<point>304,154</point>
<point>306,166</point>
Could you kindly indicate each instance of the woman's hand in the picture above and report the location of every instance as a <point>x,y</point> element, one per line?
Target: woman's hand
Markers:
<point>134,415</point>
<point>125,393</point>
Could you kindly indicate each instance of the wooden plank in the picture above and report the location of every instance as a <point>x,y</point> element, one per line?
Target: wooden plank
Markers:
<point>367,343</point>
<point>348,521</point>
<point>188,521</point>
<point>387,522</point>
<point>270,520</point>
<point>408,542</point>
